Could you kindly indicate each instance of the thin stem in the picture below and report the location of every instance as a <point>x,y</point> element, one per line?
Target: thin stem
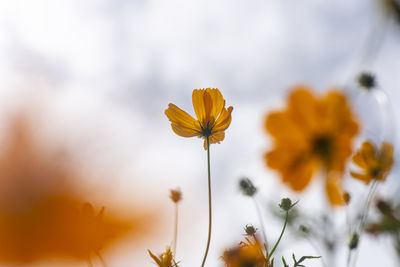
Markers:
<point>353,253</point>
<point>175,229</point>
<point>260,217</point>
<point>101,259</point>
<point>209,202</point>
<point>280,237</point>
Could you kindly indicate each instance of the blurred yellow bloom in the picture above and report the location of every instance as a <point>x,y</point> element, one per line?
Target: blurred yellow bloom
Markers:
<point>312,132</point>
<point>375,163</point>
<point>165,259</point>
<point>212,116</point>
<point>249,253</point>
<point>44,213</point>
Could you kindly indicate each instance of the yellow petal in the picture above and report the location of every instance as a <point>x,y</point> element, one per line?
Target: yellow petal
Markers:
<point>296,169</point>
<point>202,104</point>
<point>358,159</point>
<point>368,152</point>
<point>283,129</point>
<point>224,120</point>
<point>208,105</point>
<point>386,156</point>
<point>303,108</point>
<point>299,175</point>
<point>334,190</point>
<point>215,138</point>
<point>362,177</point>
<point>198,104</point>
<point>183,131</point>
<point>181,118</point>
<point>218,102</point>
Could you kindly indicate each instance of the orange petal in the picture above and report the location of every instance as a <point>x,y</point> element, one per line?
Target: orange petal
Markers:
<point>358,159</point>
<point>183,131</point>
<point>362,177</point>
<point>303,108</point>
<point>298,170</point>
<point>198,104</point>
<point>224,120</point>
<point>281,127</point>
<point>218,102</point>
<point>215,138</point>
<point>368,152</point>
<point>386,156</point>
<point>334,190</point>
<point>180,118</point>
<point>202,104</point>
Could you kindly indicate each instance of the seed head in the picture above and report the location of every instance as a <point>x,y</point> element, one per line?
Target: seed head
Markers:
<point>367,80</point>
<point>176,195</point>
<point>247,187</point>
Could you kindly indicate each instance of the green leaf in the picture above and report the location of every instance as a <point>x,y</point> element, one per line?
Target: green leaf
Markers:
<point>284,262</point>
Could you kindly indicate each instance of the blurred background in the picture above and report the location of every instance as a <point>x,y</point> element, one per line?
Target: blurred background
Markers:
<point>94,77</point>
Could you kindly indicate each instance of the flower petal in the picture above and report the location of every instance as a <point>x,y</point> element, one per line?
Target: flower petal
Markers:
<point>184,131</point>
<point>284,130</point>
<point>198,104</point>
<point>385,156</point>
<point>368,151</point>
<point>303,108</point>
<point>180,117</point>
<point>361,176</point>
<point>334,189</point>
<point>215,138</point>
<point>181,122</point>
<point>202,104</point>
<point>224,120</point>
<point>296,171</point>
<point>358,159</point>
<point>218,103</point>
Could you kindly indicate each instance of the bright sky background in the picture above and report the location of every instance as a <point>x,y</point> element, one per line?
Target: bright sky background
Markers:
<point>102,72</point>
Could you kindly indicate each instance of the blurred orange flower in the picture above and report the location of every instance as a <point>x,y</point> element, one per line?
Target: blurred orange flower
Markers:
<point>249,253</point>
<point>212,116</point>
<point>44,213</point>
<point>375,163</point>
<point>312,132</point>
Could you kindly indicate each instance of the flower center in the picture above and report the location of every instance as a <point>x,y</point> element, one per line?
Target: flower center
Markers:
<point>376,172</point>
<point>322,146</point>
<point>206,129</point>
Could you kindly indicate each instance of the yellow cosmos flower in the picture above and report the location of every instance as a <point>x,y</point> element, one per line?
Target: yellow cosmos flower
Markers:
<point>212,116</point>
<point>376,163</point>
<point>246,254</point>
<point>312,133</point>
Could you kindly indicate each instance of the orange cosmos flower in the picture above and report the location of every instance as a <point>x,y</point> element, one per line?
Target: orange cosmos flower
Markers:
<point>312,132</point>
<point>44,213</point>
<point>376,163</point>
<point>248,253</point>
<point>212,116</point>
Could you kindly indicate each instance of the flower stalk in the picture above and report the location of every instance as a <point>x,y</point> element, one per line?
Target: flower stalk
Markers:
<point>280,236</point>
<point>175,229</point>
<point>209,202</point>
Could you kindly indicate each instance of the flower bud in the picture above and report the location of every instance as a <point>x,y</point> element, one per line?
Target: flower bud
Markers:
<point>286,204</point>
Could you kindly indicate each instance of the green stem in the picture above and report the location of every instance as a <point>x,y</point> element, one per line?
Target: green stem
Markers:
<point>353,253</point>
<point>280,237</point>
<point>209,202</point>
<point>260,217</point>
<point>175,229</point>
<point>101,259</point>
